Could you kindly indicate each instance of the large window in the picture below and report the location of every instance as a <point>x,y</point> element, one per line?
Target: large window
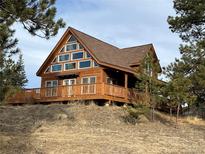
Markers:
<point>70,66</point>
<point>64,57</point>
<point>77,55</point>
<point>56,68</point>
<point>70,47</point>
<point>85,64</point>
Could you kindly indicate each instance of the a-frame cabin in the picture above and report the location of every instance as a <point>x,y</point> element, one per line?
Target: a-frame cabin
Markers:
<point>81,67</point>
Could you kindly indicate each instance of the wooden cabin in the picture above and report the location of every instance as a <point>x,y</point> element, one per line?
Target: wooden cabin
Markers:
<point>81,67</point>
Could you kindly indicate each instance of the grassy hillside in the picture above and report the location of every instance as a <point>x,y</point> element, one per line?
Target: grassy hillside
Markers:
<point>92,129</point>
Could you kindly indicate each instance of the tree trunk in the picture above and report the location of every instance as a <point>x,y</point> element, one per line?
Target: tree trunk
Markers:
<point>152,113</point>
<point>177,116</point>
<point>170,112</point>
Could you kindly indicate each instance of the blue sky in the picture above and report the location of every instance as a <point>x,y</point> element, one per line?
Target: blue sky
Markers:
<point>119,22</point>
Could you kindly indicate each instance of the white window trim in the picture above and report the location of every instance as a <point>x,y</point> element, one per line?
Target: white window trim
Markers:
<point>69,79</point>
<point>62,48</point>
<point>56,71</point>
<point>63,55</point>
<point>70,69</point>
<point>47,68</point>
<point>85,55</point>
<point>71,43</point>
<point>84,67</point>
<point>56,59</point>
<point>94,64</point>
<point>52,83</point>
<point>77,52</point>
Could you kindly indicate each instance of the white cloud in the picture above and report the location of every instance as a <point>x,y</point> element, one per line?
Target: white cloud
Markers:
<point>119,22</point>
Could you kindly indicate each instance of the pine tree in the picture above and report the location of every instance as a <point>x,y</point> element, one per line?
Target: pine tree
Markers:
<point>38,18</point>
<point>149,83</point>
<point>189,23</point>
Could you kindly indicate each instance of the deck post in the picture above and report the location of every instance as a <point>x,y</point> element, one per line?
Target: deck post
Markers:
<point>126,86</point>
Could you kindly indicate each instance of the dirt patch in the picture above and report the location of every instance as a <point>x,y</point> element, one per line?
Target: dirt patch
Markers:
<point>92,129</point>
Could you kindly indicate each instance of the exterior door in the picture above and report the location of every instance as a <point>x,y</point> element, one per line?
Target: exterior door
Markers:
<point>88,85</point>
<point>70,88</point>
<point>51,88</point>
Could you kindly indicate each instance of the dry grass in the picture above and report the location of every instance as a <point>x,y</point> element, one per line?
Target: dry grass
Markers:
<point>92,129</point>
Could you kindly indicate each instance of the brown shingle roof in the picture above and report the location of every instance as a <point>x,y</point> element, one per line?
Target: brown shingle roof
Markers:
<point>107,54</point>
<point>110,54</point>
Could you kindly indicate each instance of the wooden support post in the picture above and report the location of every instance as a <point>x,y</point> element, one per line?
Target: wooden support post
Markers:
<point>126,86</point>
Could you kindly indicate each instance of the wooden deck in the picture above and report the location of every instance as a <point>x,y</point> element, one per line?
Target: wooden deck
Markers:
<point>99,91</point>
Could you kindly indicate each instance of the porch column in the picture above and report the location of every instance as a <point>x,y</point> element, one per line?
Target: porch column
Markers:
<point>126,81</point>
<point>126,86</point>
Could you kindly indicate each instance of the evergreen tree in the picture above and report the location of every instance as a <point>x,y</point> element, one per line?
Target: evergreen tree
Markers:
<point>189,23</point>
<point>38,18</point>
<point>149,83</point>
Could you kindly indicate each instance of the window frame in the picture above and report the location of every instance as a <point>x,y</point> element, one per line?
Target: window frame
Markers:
<point>95,65</point>
<point>62,50</point>
<point>85,67</point>
<point>51,82</point>
<point>76,53</point>
<point>63,55</point>
<point>71,43</point>
<point>56,71</point>
<point>70,69</point>
<point>49,67</point>
<point>88,77</point>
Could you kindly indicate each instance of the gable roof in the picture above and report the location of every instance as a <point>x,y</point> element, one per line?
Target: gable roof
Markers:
<point>106,54</point>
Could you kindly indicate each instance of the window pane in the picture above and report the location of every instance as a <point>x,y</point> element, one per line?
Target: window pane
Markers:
<point>84,64</point>
<point>48,69</point>
<point>80,46</point>
<point>95,64</point>
<point>70,66</point>
<point>77,55</point>
<point>55,83</point>
<point>55,60</point>
<point>48,84</point>
<point>92,80</point>
<point>72,39</point>
<point>71,47</point>
<point>56,68</point>
<point>87,55</point>
<point>85,81</point>
<point>64,57</point>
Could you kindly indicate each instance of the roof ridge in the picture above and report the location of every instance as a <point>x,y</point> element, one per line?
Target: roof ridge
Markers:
<point>137,46</point>
<point>95,38</point>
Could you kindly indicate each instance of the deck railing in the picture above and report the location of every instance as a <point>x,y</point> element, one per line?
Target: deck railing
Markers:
<point>78,91</point>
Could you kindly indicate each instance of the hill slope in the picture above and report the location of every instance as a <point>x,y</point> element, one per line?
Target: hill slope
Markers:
<point>91,129</point>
